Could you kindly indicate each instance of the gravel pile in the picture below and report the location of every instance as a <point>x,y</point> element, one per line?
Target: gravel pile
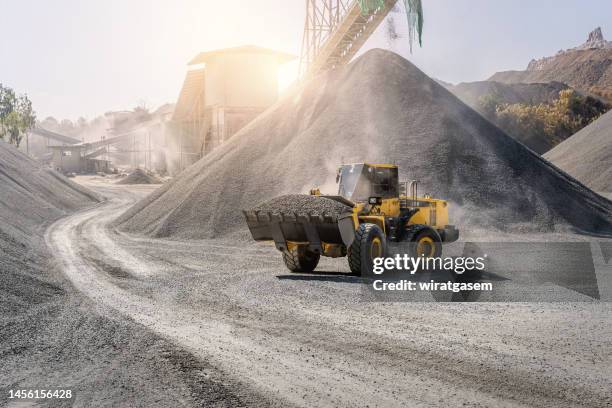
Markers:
<point>302,204</point>
<point>587,155</point>
<point>140,176</point>
<point>49,335</point>
<point>380,108</point>
<point>31,197</point>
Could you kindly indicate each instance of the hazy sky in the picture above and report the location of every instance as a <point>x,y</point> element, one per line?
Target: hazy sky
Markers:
<point>85,57</point>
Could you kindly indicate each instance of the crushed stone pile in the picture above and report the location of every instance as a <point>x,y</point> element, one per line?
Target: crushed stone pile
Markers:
<point>48,333</point>
<point>31,197</point>
<point>380,108</point>
<point>302,204</point>
<point>140,176</point>
<point>587,155</point>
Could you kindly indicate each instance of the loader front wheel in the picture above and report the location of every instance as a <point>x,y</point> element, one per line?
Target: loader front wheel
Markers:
<point>369,243</point>
<point>424,241</point>
<point>300,259</point>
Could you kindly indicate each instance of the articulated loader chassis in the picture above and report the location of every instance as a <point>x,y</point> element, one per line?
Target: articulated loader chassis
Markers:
<point>378,213</point>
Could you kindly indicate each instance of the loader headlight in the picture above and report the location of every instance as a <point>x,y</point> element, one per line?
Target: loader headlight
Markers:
<point>373,200</point>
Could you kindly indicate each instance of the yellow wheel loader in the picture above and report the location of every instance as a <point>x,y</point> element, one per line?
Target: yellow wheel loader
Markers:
<point>379,210</point>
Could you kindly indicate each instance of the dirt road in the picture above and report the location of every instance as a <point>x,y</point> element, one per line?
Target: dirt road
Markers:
<point>311,341</point>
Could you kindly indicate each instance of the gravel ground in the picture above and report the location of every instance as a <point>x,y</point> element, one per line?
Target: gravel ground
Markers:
<point>310,340</point>
<point>107,360</point>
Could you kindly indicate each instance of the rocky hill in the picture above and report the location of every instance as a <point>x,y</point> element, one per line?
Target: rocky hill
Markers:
<point>587,67</point>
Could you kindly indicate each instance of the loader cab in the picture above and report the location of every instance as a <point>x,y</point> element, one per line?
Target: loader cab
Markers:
<point>362,181</point>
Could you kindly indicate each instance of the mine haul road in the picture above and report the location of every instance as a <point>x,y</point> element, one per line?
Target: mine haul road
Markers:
<point>308,340</point>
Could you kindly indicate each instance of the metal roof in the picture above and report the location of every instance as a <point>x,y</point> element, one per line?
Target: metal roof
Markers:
<point>54,136</point>
<point>69,147</point>
<point>203,57</point>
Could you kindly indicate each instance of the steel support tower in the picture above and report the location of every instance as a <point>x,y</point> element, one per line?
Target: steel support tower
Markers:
<point>334,31</point>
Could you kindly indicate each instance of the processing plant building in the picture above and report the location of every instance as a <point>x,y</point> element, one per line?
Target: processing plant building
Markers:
<point>222,92</point>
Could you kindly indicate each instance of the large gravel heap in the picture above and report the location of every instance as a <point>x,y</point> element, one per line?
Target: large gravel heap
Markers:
<point>587,155</point>
<point>380,108</point>
<point>31,197</point>
<point>49,334</point>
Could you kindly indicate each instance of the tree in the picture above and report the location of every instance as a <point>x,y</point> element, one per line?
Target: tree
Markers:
<point>50,123</point>
<point>488,106</point>
<point>82,123</point>
<point>16,115</point>
<point>66,127</point>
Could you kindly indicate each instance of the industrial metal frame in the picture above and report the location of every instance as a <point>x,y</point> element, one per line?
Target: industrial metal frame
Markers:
<point>334,31</point>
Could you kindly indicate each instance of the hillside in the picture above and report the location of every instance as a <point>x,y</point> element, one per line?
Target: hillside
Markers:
<point>472,93</point>
<point>587,68</point>
<point>380,108</point>
<point>538,115</point>
<point>587,155</point>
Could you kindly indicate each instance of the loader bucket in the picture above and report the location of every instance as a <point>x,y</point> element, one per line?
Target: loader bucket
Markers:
<point>310,229</point>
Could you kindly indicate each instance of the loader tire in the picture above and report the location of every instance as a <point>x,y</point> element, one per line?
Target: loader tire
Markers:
<point>370,242</point>
<point>423,241</point>
<point>300,259</point>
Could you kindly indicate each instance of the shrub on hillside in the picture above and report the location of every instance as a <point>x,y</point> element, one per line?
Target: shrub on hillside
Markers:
<point>545,124</point>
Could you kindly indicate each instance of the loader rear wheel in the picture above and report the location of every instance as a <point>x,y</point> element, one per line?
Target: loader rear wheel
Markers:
<point>300,259</point>
<point>370,242</point>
